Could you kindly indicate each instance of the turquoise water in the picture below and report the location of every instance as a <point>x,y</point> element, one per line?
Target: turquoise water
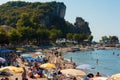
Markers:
<point>108,63</point>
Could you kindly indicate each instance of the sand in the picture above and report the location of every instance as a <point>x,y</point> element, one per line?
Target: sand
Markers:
<point>52,59</point>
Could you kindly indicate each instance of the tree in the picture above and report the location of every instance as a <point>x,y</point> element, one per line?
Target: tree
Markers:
<point>90,38</point>
<point>69,36</point>
<point>110,40</point>
<point>24,21</point>
<point>79,37</point>
<point>3,36</point>
<point>54,34</point>
<point>76,37</point>
<point>14,36</point>
<point>27,33</point>
<point>113,39</point>
<point>105,39</point>
<point>82,37</point>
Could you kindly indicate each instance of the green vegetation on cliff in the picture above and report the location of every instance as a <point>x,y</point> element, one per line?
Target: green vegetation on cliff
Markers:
<point>39,22</point>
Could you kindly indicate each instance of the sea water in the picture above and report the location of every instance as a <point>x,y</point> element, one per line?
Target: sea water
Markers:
<point>108,60</point>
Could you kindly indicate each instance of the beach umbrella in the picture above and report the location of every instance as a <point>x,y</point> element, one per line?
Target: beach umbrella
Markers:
<point>38,53</point>
<point>2,60</point>
<point>12,69</point>
<point>25,55</point>
<point>30,59</point>
<point>42,56</point>
<point>100,78</point>
<point>5,51</point>
<point>85,67</point>
<point>19,51</point>
<point>48,66</point>
<point>116,76</point>
<point>73,72</point>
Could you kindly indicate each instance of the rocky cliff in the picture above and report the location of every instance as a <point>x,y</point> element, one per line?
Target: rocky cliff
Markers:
<point>10,12</point>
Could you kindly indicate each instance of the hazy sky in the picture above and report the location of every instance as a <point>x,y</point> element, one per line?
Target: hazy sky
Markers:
<point>103,15</point>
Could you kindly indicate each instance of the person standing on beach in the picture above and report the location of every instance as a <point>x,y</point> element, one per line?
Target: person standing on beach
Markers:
<point>70,59</point>
<point>24,74</point>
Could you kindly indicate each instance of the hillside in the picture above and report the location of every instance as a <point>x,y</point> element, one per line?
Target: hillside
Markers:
<point>11,11</point>
<point>40,17</point>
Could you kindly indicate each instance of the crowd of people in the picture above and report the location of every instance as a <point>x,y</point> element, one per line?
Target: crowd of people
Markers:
<point>32,69</point>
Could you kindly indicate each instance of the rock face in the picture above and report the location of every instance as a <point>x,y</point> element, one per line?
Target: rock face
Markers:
<point>44,11</point>
<point>51,14</point>
<point>81,26</point>
<point>61,9</point>
<point>79,21</point>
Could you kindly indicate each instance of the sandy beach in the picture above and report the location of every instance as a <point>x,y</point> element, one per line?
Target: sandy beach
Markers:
<point>52,59</point>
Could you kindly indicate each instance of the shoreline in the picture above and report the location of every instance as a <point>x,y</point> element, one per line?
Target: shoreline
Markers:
<point>65,64</point>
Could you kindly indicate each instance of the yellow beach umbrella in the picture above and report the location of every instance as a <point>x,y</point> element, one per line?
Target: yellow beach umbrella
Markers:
<point>48,66</point>
<point>12,69</point>
<point>116,76</point>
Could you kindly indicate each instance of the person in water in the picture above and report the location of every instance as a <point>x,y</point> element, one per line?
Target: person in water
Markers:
<point>113,53</point>
<point>97,61</point>
<point>98,74</point>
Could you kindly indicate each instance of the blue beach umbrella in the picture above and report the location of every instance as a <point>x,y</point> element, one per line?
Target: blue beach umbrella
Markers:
<point>30,59</point>
<point>5,51</point>
<point>85,67</point>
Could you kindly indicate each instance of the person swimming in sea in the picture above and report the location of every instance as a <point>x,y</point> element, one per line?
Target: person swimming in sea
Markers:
<point>98,75</point>
<point>97,61</point>
<point>117,54</point>
<point>113,53</point>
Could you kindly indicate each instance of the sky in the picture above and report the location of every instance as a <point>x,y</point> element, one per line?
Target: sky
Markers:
<point>103,16</point>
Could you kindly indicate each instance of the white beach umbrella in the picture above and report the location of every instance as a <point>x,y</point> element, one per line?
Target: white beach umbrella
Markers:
<point>38,53</point>
<point>100,78</point>
<point>19,51</point>
<point>2,60</point>
<point>73,72</point>
<point>25,55</point>
<point>116,76</point>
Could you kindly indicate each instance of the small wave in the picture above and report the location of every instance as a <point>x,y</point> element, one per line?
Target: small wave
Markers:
<point>67,59</point>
